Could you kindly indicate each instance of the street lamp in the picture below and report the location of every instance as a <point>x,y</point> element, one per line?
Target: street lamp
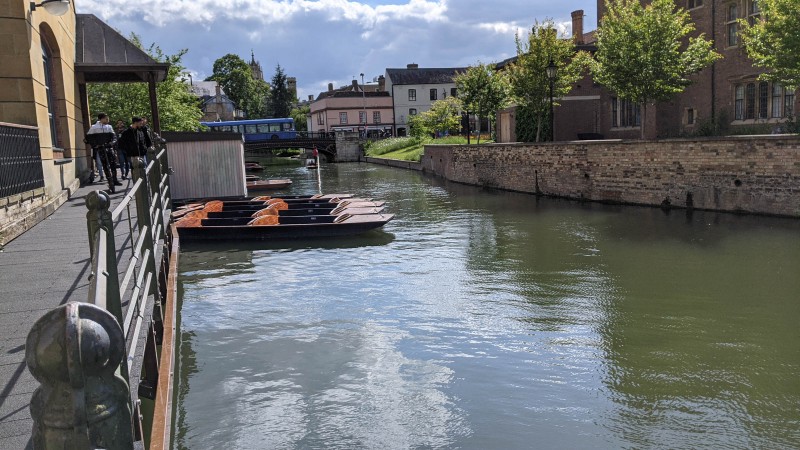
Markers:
<point>54,7</point>
<point>552,71</point>
<point>364,103</point>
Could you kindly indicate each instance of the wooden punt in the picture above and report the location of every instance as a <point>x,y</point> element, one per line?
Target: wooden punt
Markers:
<point>253,167</point>
<point>265,185</point>
<point>290,227</point>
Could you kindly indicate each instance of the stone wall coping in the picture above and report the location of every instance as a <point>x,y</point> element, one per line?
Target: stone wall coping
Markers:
<point>737,138</point>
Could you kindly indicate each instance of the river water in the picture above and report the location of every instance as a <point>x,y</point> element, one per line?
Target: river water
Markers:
<point>482,319</point>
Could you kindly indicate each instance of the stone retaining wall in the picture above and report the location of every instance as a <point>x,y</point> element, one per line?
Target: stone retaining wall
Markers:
<point>753,174</point>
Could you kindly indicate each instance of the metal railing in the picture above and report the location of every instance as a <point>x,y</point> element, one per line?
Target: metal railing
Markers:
<point>20,159</point>
<point>130,251</point>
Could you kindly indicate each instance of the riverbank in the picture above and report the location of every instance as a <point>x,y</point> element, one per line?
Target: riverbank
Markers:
<point>744,174</point>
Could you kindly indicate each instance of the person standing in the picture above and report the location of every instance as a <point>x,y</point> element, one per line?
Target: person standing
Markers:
<point>129,140</point>
<point>102,138</point>
<point>124,161</point>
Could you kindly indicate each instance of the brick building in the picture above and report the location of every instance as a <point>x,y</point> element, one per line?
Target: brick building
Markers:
<point>352,108</point>
<point>728,92</point>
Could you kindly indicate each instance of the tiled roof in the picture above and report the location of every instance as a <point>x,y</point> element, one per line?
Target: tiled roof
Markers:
<point>423,75</point>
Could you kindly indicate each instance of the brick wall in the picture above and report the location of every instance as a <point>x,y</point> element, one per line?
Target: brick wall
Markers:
<point>745,174</point>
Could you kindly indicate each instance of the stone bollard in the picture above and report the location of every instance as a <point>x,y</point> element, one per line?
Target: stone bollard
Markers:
<point>74,351</point>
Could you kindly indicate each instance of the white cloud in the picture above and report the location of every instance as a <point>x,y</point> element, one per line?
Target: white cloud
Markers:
<point>331,40</point>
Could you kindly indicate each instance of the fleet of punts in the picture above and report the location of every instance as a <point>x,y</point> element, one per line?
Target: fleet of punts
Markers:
<point>284,217</point>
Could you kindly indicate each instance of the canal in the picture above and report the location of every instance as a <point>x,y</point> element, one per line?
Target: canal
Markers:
<point>482,319</point>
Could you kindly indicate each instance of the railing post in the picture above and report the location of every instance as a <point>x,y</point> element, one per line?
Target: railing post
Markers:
<point>82,403</point>
<point>155,187</point>
<point>100,217</point>
<point>145,224</point>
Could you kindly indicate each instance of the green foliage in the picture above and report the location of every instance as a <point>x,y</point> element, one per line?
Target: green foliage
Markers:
<point>645,54</point>
<point>407,148</point>
<point>178,109</point>
<point>443,117</point>
<point>280,99</point>
<point>236,78</point>
<point>527,124</point>
<point>482,90</point>
<point>299,115</point>
<point>774,42</point>
<point>530,86</point>
<point>417,127</point>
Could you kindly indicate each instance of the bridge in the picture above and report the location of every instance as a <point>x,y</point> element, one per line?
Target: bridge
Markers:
<point>324,142</point>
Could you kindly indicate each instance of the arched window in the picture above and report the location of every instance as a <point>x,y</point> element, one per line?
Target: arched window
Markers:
<point>47,61</point>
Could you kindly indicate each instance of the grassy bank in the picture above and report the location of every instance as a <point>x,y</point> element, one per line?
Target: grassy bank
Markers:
<point>408,148</point>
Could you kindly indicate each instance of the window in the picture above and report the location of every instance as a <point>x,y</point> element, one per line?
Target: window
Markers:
<point>412,95</point>
<point>48,86</point>
<point>342,117</point>
<point>250,129</point>
<point>625,113</point>
<point>753,12</point>
<point>750,101</point>
<point>433,94</point>
<point>788,103</point>
<point>739,104</point>
<point>320,119</point>
<point>777,97</point>
<point>690,118</point>
<point>732,27</point>
<point>376,117</point>
<point>362,117</point>
<point>763,99</point>
<point>412,112</point>
<point>694,4</point>
<point>453,92</point>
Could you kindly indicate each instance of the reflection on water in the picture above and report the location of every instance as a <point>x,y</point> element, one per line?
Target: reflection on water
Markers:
<point>484,319</point>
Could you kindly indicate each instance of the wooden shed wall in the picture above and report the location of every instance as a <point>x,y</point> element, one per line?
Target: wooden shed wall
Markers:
<point>206,169</point>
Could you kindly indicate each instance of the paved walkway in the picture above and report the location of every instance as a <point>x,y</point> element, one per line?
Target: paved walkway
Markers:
<point>45,267</point>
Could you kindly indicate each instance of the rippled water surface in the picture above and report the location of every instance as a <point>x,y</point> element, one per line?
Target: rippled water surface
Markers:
<point>492,320</point>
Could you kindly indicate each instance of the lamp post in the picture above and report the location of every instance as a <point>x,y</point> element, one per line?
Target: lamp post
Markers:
<point>364,103</point>
<point>552,71</point>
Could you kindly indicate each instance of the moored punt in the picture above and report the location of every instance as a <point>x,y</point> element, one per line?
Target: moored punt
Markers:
<point>253,167</point>
<point>264,185</point>
<point>301,227</point>
<point>251,178</point>
<point>357,209</point>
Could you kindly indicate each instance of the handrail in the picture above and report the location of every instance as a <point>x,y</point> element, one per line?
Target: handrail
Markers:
<point>135,302</point>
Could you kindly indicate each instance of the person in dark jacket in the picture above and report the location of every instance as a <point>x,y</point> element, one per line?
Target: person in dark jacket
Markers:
<point>124,161</point>
<point>130,141</point>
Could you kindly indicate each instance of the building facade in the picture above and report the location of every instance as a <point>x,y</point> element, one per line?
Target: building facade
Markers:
<point>413,90</point>
<point>355,108</point>
<point>725,98</point>
<point>48,57</point>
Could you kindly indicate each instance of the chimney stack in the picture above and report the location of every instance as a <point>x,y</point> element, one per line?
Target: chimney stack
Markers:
<point>330,87</point>
<point>381,83</point>
<point>311,98</point>
<point>412,66</point>
<point>577,27</point>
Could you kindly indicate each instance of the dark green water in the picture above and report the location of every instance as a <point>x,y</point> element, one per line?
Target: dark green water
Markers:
<point>492,320</point>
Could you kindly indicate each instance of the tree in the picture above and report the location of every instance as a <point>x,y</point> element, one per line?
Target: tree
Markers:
<point>178,109</point>
<point>281,100</point>
<point>299,115</point>
<point>530,86</point>
<point>643,54</point>
<point>774,42</point>
<point>443,117</point>
<point>482,91</point>
<point>236,78</point>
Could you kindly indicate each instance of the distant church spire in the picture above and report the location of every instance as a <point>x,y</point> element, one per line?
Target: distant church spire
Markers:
<point>255,67</point>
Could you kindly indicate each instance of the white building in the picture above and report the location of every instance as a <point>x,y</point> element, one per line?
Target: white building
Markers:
<point>414,90</point>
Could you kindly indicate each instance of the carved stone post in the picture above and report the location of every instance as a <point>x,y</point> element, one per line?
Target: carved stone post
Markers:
<point>74,351</point>
<point>98,217</point>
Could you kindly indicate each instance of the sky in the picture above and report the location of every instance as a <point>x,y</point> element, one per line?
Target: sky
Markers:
<point>333,41</point>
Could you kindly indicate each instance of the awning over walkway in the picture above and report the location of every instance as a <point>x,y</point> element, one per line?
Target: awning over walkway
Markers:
<point>103,55</point>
